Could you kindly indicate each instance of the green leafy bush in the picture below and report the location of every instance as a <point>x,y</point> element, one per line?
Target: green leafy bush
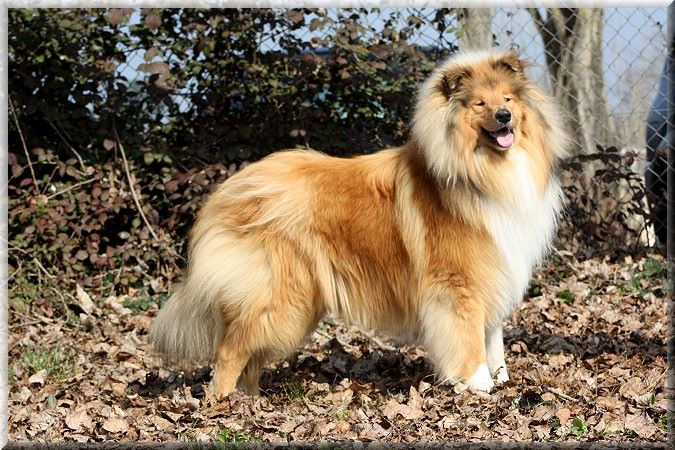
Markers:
<point>83,227</point>
<point>221,85</point>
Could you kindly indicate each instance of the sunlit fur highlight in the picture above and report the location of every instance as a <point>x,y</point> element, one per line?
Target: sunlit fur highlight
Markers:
<point>435,239</point>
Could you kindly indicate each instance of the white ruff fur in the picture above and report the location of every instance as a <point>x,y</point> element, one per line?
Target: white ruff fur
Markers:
<point>522,230</point>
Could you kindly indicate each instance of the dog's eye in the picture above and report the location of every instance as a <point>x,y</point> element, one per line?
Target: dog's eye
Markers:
<point>480,103</point>
<point>507,99</point>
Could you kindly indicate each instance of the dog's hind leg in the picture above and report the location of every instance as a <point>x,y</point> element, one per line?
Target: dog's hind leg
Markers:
<point>268,320</point>
<point>454,335</point>
<point>250,378</point>
<point>275,333</point>
<point>231,358</point>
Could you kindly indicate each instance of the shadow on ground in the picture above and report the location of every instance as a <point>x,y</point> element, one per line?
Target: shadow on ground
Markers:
<point>391,371</point>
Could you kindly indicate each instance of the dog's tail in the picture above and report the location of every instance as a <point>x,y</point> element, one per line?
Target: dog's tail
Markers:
<point>229,277</point>
<point>190,325</point>
<point>187,329</point>
<point>225,275</point>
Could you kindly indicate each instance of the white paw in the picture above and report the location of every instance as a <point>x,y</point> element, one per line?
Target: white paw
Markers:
<point>502,376</point>
<point>481,379</point>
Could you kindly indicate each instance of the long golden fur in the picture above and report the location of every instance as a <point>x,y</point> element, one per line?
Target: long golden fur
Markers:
<point>437,238</point>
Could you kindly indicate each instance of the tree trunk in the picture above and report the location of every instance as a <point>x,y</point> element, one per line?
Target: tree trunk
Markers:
<point>573,45</point>
<point>475,26</point>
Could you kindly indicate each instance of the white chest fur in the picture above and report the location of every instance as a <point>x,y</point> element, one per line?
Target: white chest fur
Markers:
<point>523,230</point>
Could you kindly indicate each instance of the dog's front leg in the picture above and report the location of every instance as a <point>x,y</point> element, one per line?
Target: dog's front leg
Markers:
<point>494,344</point>
<point>453,332</point>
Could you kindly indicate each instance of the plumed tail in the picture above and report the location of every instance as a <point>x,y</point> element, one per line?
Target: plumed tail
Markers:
<point>188,328</point>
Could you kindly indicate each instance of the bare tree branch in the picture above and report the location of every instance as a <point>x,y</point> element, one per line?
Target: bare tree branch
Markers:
<point>131,184</point>
<point>72,149</point>
<point>23,141</point>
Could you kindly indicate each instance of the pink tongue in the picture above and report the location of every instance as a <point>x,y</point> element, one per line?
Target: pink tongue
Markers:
<point>504,137</point>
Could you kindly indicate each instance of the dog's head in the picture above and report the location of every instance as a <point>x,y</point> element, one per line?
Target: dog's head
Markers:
<point>476,111</point>
<point>487,98</point>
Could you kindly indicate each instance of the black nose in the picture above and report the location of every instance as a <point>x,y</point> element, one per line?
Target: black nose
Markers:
<point>503,115</point>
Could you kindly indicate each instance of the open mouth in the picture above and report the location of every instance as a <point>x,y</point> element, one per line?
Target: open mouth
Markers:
<point>502,137</point>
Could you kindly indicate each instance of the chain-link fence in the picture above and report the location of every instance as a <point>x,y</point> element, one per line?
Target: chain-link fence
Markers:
<point>627,64</point>
<point>607,67</point>
<point>241,83</point>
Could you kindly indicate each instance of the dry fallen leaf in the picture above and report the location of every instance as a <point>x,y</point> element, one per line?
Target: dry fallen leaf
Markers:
<point>342,426</point>
<point>523,433</point>
<point>114,425</point>
<point>633,388</point>
<point>24,395</point>
<point>84,300</point>
<point>564,415</point>
<point>355,388</point>
<point>415,400</point>
<point>394,408</point>
<point>77,418</point>
<point>611,404</point>
<point>117,306</point>
<point>161,423</point>
<point>38,378</point>
<point>288,426</point>
<point>642,425</point>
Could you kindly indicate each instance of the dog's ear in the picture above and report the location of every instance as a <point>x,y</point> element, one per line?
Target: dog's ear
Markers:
<point>511,62</point>
<point>452,81</point>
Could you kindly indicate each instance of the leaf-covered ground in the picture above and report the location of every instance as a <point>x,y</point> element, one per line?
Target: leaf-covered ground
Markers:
<point>586,355</point>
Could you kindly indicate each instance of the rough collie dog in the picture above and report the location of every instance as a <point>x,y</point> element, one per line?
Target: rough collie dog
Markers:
<point>436,239</point>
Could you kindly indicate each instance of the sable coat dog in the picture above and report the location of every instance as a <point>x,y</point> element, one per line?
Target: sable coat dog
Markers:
<point>437,238</point>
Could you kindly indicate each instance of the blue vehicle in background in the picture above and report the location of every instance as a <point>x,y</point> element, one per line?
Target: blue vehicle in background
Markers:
<point>658,136</point>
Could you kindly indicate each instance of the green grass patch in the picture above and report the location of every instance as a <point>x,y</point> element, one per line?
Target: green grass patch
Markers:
<point>655,269</point>
<point>579,427</point>
<point>342,412</point>
<point>566,296</point>
<point>666,422</point>
<point>294,391</point>
<point>230,436</point>
<point>139,305</point>
<point>534,289</point>
<point>651,278</point>
<point>58,363</point>
<point>22,292</point>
